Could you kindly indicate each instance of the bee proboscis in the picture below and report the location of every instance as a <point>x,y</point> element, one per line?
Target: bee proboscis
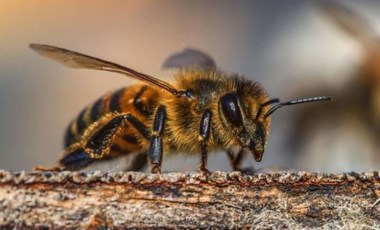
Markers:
<point>200,112</point>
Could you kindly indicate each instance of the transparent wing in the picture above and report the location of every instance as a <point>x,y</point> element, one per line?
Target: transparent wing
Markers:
<point>77,60</point>
<point>189,58</point>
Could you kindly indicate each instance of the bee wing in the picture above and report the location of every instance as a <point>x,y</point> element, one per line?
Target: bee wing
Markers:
<point>77,60</point>
<point>349,21</point>
<point>190,58</point>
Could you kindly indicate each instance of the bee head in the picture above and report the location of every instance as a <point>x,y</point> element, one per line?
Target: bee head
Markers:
<point>251,129</point>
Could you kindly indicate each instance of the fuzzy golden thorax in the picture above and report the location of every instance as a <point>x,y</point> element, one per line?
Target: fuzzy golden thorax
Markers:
<point>232,127</point>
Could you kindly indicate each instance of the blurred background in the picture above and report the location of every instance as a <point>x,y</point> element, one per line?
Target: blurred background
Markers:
<point>294,48</point>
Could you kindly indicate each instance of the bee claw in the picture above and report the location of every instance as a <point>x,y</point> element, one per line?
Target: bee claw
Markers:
<point>156,169</point>
<point>204,171</point>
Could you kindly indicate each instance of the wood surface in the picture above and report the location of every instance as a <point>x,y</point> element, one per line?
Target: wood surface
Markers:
<point>223,200</point>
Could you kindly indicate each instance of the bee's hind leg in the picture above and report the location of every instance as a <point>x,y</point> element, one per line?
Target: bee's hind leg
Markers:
<point>74,158</point>
<point>96,142</point>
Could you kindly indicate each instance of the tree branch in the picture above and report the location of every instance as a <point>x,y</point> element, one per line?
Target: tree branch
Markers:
<point>189,200</point>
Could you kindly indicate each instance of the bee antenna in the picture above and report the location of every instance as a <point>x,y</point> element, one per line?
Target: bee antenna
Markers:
<point>295,102</point>
<point>271,101</point>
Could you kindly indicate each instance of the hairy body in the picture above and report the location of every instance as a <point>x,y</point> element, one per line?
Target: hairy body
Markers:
<point>183,115</point>
<point>201,111</point>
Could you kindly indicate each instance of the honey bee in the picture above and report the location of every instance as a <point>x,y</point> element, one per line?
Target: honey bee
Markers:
<point>201,112</point>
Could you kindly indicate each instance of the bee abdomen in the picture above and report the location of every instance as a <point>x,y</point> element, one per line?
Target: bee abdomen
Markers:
<point>86,117</point>
<point>139,100</point>
<point>77,127</point>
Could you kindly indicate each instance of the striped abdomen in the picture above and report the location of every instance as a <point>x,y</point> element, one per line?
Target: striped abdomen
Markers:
<point>139,100</point>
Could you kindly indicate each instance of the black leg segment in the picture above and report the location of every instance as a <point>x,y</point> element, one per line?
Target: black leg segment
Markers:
<point>143,130</point>
<point>76,160</point>
<point>204,132</point>
<point>98,144</point>
<point>101,139</point>
<point>159,120</point>
<point>204,157</point>
<point>156,147</point>
<point>155,151</point>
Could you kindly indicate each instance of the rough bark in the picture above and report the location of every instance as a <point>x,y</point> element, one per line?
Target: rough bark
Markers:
<point>287,200</point>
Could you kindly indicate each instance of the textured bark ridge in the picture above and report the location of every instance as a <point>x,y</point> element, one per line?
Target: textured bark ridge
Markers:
<point>92,200</point>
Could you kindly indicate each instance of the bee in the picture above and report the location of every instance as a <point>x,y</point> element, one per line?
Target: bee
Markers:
<point>202,111</point>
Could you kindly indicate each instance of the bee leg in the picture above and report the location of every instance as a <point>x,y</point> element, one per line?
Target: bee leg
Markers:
<point>96,144</point>
<point>156,148</point>
<point>140,127</point>
<point>139,162</point>
<point>204,135</point>
<point>73,158</point>
<point>236,161</point>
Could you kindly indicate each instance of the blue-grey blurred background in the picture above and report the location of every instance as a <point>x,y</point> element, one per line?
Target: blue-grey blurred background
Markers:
<point>291,47</point>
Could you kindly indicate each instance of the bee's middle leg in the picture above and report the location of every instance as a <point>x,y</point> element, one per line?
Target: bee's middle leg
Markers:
<point>204,134</point>
<point>156,147</point>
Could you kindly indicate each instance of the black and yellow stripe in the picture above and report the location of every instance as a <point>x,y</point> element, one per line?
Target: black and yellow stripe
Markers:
<point>133,99</point>
<point>77,127</point>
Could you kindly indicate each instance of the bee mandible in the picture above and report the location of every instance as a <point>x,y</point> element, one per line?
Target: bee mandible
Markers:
<point>202,111</point>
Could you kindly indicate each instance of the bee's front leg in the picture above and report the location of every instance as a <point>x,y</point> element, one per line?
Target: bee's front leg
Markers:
<point>204,136</point>
<point>156,147</point>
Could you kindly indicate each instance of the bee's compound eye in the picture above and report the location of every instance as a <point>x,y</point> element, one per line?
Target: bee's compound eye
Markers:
<point>230,108</point>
